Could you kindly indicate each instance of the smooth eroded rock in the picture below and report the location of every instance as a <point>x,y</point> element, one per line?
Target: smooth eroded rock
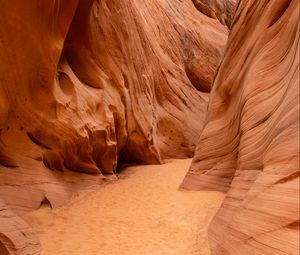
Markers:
<point>88,84</point>
<point>249,146</point>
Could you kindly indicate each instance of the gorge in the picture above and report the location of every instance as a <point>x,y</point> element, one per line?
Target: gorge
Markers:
<point>90,87</point>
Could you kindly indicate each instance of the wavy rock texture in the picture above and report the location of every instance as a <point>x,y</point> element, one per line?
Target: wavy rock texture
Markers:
<point>249,146</point>
<point>221,10</point>
<point>16,237</point>
<point>86,84</point>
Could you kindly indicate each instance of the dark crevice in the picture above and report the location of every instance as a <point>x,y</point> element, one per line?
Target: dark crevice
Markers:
<point>3,249</point>
<point>7,161</point>
<point>197,82</point>
<point>294,225</point>
<point>279,11</point>
<point>45,203</point>
<point>288,178</point>
<point>36,141</point>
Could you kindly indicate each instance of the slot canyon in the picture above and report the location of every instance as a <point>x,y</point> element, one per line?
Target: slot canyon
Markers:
<point>149,127</point>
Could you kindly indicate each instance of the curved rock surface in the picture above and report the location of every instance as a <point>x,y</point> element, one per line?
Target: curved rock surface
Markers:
<point>222,10</point>
<point>86,84</point>
<point>16,237</point>
<point>249,146</point>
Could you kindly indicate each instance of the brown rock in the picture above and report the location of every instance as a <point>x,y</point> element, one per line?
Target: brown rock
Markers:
<point>249,146</point>
<point>222,10</point>
<point>86,84</point>
<point>16,237</point>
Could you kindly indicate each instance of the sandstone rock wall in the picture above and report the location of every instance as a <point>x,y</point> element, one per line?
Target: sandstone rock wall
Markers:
<point>86,84</point>
<point>249,146</point>
<point>221,10</point>
<point>16,237</point>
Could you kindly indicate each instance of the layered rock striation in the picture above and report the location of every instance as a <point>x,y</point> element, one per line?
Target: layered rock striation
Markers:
<point>87,84</point>
<point>249,146</point>
<point>222,10</point>
<point>16,236</point>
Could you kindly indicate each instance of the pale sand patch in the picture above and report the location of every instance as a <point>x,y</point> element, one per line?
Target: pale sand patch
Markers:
<point>142,213</point>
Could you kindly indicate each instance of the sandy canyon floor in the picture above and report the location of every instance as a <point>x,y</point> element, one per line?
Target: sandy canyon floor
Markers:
<point>142,213</point>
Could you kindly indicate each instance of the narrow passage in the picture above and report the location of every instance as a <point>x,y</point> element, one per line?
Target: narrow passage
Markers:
<point>142,213</point>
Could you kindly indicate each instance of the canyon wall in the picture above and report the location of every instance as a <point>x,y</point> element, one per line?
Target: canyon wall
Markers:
<point>222,10</point>
<point>16,236</point>
<point>88,84</point>
<point>249,146</point>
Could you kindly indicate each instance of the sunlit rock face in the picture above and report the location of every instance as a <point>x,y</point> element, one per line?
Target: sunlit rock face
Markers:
<point>87,84</point>
<point>249,146</point>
